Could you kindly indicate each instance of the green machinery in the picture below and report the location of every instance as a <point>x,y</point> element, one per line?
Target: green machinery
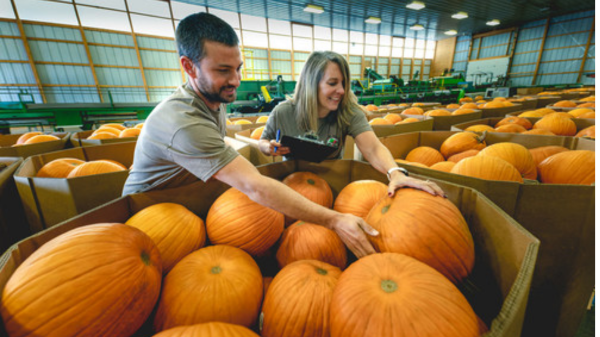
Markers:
<point>261,96</point>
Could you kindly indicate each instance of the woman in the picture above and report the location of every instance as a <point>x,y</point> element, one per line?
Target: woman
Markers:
<point>324,107</point>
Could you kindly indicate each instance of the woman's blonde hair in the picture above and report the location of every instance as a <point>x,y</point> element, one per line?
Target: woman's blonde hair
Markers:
<point>306,95</point>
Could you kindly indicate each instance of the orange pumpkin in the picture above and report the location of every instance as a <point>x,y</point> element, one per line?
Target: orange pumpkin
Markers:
<point>117,126</point>
<point>540,153</point>
<point>479,128</point>
<point>469,106</point>
<point>533,114</point>
<point>215,283</point>
<point>545,111</point>
<point>591,115</point>
<point>542,132</point>
<point>578,112</point>
<point>59,168</point>
<point>298,301</point>
<point>465,100</point>
<point>565,104</point>
<point>453,106</point>
<point>460,142</point>
<point>236,220</point>
<point>139,126</point>
<point>462,155</point>
<point>242,122</point>
<point>379,121</point>
<point>393,118</point>
<point>413,111</point>
<point>312,187</point>
<point>176,231</point>
<point>587,105</point>
<point>462,111</point>
<point>24,137</point>
<point>493,105</point>
<point>371,107</point>
<point>256,133</point>
<point>487,167</point>
<point>510,128</point>
<point>408,120</point>
<point>438,112</point>
<point>428,228</point>
<point>515,154</point>
<point>262,119</point>
<point>444,166</point>
<point>210,329</point>
<point>404,297</point>
<point>557,124</point>
<point>95,167</point>
<point>589,132</point>
<point>359,197</point>
<point>524,122</point>
<point>102,135</point>
<point>131,132</point>
<point>425,155</point>
<point>40,139</point>
<point>570,167</point>
<point>306,241</point>
<point>95,280</point>
<point>116,132</point>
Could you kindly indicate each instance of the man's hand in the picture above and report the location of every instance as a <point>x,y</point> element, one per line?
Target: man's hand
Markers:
<point>351,229</point>
<point>400,180</point>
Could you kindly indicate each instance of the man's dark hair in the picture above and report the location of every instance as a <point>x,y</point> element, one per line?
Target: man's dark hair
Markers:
<point>197,28</point>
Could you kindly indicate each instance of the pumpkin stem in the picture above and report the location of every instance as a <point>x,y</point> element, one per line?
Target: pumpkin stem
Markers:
<point>145,258</point>
<point>215,270</point>
<point>389,286</point>
<point>481,138</point>
<point>385,209</point>
<point>300,223</point>
<point>310,181</point>
<point>321,271</point>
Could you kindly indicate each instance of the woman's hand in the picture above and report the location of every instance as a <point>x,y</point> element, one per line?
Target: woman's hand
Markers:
<point>399,180</point>
<point>268,147</point>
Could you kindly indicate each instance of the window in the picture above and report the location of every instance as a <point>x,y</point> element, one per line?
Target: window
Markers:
<point>279,27</point>
<point>255,23</point>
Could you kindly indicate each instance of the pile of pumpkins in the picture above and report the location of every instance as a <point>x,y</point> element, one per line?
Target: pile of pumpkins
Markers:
<point>34,137</point>
<point>156,270</point>
<point>466,153</point>
<point>73,167</point>
<point>550,123</point>
<point>115,130</point>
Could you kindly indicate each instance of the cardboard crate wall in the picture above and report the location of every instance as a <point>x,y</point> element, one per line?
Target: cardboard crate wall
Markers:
<point>24,151</point>
<point>505,252</point>
<point>80,139</point>
<point>13,224</point>
<point>561,216</point>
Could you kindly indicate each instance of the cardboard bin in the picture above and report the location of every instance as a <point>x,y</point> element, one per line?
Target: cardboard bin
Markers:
<point>80,139</point>
<point>445,122</point>
<point>232,129</point>
<point>505,252</point>
<point>24,151</point>
<point>499,112</point>
<point>13,224</point>
<point>581,123</point>
<point>561,216</point>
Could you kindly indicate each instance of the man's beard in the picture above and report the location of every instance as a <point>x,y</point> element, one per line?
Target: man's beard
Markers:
<point>214,96</point>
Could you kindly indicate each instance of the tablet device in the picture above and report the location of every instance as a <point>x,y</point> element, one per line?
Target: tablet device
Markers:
<point>308,149</point>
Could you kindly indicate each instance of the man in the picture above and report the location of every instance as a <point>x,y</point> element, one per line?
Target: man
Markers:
<point>183,138</point>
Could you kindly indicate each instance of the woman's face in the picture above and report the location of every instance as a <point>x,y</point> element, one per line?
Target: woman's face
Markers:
<point>331,89</point>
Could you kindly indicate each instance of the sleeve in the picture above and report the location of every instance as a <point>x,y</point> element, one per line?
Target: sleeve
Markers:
<point>270,130</point>
<point>358,124</point>
<point>201,150</point>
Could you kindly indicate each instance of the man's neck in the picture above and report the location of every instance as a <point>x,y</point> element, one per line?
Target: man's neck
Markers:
<point>210,104</point>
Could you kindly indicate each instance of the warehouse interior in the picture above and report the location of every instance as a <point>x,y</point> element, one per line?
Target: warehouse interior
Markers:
<point>67,67</point>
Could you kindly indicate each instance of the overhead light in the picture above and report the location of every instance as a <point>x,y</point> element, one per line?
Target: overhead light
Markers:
<point>373,20</point>
<point>460,15</point>
<point>314,9</point>
<point>493,22</point>
<point>417,27</point>
<point>416,5</point>
<point>450,32</point>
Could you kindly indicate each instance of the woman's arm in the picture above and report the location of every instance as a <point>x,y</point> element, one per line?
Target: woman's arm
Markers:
<point>381,159</point>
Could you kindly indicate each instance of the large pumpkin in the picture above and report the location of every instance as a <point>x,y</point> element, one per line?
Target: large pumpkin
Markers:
<point>540,153</point>
<point>210,329</point>
<point>215,283</point>
<point>461,141</point>
<point>557,124</point>
<point>462,155</point>
<point>358,197</point>
<point>130,132</point>
<point>569,167</point>
<point>425,155</point>
<point>444,166</point>
<point>488,168</point>
<point>589,132</point>
<point>524,122</point>
<point>236,220</point>
<point>393,295</point>
<point>298,300</point>
<point>95,167</point>
<point>24,137</point>
<point>515,154</point>
<point>176,231</point>
<point>306,241</point>
<point>40,139</point>
<point>428,228</point>
<point>312,187</point>
<point>59,168</point>
<point>96,280</point>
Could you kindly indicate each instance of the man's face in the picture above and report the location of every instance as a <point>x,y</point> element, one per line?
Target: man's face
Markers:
<point>219,74</point>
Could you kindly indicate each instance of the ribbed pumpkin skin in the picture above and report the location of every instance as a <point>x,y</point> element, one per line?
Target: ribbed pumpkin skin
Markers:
<point>479,128</point>
<point>96,280</point>
<point>462,155</point>
<point>515,154</point>
<point>215,283</point>
<point>59,168</point>
<point>589,132</point>
<point>425,155</point>
<point>211,329</point>
<point>312,187</point>
<point>306,241</point>
<point>131,132</point>
<point>41,139</point>
<point>404,297</point>
<point>510,128</point>
<point>428,228</point>
<point>95,167</point>
<point>236,220</point>
<point>359,197</point>
<point>298,301</point>
<point>540,153</point>
<point>24,137</point>
<point>460,142</point>
<point>559,125</point>
<point>487,167</point>
<point>569,167</point>
<point>176,231</point>
<point>524,122</point>
<point>444,166</point>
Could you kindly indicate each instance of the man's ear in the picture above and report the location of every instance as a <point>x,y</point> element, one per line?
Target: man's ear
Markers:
<point>188,66</point>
